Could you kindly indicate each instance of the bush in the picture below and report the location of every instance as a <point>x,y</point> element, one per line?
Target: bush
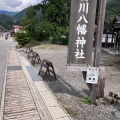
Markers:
<point>43,31</point>
<point>22,38</point>
<point>62,39</point>
<point>32,43</point>
<point>61,35</point>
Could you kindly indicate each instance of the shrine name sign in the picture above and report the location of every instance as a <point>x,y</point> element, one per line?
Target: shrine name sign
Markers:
<point>82,23</point>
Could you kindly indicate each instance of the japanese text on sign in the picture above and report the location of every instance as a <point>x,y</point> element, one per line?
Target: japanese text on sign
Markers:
<point>82,22</point>
<point>81,29</point>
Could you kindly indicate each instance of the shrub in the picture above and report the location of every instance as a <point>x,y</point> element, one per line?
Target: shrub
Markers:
<point>32,43</point>
<point>61,35</point>
<point>43,31</point>
<point>22,38</point>
<point>58,38</point>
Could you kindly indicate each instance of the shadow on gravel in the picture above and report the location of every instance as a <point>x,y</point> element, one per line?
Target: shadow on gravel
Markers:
<point>61,86</point>
<point>117,105</point>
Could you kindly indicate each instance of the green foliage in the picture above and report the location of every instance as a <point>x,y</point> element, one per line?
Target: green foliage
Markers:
<point>19,15</point>
<point>113,113</point>
<point>6,21</point>
<point>48,21</point>
<point>61,35</point>
<point>85,100</point>
<point>62,39</point>
<point>57,11</point>
<point>44,30</point>
<point>30,12</point>
<point>8,13</point>
<point>32,43</point>
<point>22,38</point>
<point>24,21</point>
<point>105,101</point>
<point>112,9</point>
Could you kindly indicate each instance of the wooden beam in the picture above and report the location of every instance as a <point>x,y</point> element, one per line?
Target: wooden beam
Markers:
<point>98,42</point>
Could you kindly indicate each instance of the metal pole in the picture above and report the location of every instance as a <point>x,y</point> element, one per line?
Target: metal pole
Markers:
<point>100,26</point>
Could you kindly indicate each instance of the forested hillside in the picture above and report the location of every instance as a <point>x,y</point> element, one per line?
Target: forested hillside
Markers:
<point>6,21</point>
<point>19,15</point>
<point>50,19</point>
<point>8,13</point>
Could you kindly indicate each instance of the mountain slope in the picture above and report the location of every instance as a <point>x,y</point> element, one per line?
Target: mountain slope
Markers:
<point>9,13</point>
<point>19,15</point>
<point>5,21</point>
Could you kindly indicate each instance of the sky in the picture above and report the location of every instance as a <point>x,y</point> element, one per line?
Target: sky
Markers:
<point>16,5</point>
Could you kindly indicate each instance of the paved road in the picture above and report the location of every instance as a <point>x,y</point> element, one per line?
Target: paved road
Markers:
<point>4,48</point>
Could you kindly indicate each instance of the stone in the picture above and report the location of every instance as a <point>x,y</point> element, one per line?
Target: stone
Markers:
<point>101,86</point>
<point>117,114</point>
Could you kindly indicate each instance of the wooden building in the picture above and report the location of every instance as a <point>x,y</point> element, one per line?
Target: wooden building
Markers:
<point>112,38</point>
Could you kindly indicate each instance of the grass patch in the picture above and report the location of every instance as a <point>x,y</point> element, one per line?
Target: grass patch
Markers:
<point>113,113</point>
<point>105,101</point>
<point>86,100</point>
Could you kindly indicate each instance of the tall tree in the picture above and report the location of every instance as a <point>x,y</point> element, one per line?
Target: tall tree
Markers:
<point>57,11</point>
<point>47,19</point>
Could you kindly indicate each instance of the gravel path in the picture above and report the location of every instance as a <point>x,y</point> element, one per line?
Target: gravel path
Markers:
<point>70,88</point>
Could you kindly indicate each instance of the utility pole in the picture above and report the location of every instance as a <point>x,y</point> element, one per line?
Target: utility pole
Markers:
<point>98,42</point>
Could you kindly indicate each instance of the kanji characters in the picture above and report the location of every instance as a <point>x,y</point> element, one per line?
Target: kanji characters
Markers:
<point>79,54</point>
<point>83,7</point>
<point>82,29</point>
<point>83,19</point>
<point>80,42</point>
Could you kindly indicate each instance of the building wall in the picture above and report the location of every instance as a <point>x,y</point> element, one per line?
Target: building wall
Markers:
<point>16,30</point>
